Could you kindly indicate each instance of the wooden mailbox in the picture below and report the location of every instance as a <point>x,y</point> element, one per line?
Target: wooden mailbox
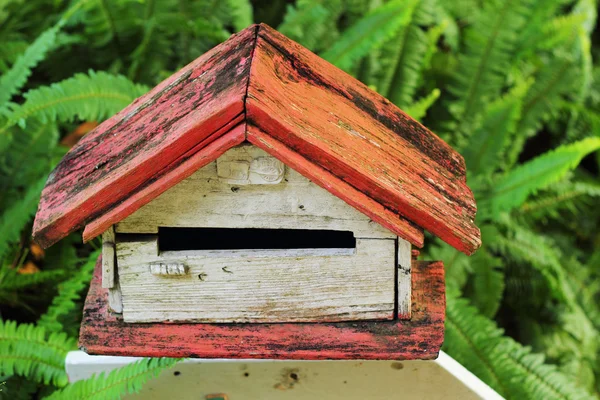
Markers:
<point>261,203</point>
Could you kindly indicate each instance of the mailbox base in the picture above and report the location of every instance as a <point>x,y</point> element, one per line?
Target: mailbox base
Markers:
<point>421,337</point>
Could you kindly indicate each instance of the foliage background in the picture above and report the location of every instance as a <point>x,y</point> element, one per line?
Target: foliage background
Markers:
<point>512,84</point>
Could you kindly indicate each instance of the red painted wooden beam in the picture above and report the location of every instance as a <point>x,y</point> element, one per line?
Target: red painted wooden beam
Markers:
<point>364,149</point>
<point>419,338</point>
<point>338,123</point>
<point>143,140</point>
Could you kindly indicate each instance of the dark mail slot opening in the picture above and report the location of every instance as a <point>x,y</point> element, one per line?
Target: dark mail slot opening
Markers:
<point>178,239</point>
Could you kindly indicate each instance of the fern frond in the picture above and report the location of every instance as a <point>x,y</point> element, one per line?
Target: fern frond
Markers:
<point>241,13</point>
<point>11,280</point>
<point>87,97</point>
<point>559,197</point>
<point>68,292</point>
<point>512,370</point>
<point>490,45</point>
<point>13,219</point>
<point>403,56</point>
<point>125,380</point>
<point>26,350</point>
<point>511,190</point>
<point>370,32</point>
<point>28,158</point>
<point>418,109</point>
<point>306,23</point>
<point>486,286</point>
<point>529,248</point>
<point>488,142</point>
<point>553,79</point>
<point>15,78</point>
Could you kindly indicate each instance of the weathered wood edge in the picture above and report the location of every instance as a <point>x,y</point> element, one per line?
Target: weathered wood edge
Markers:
<point>108,257</point>
<point>152,132</point>
<point>378,213</point>
<point>420,338</point>
<point>281,64</point>
<point>182,168</point>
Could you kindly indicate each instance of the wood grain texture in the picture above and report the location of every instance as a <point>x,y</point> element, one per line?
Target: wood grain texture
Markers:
<point>404,279</point>
<point>339,124</point>
<point>115,298</point>
<point>108,258</point>
<point>145,139</point>
<point>303,109</point>
<point>420,338</point>
<point>204,200</point>
<point>292,285</point>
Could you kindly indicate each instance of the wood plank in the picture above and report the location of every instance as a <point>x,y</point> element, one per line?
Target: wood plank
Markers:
<point>145,138</point>
<point>153,188</point>
<point>404,279</point>
<point>115,298</point>
<point>339,124</point>
<point>108,258</point>
<point>291,285</point>
<point>419,338</point>
<point>204,200</point>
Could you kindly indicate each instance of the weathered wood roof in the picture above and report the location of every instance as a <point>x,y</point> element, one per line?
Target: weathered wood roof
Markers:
<point>261,87</point>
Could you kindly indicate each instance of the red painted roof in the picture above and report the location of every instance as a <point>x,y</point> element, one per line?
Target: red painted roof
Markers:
<point>263,88</point>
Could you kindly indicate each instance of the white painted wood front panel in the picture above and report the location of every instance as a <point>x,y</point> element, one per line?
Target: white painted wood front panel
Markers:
<point>259,285</point>
<point>205,200</point>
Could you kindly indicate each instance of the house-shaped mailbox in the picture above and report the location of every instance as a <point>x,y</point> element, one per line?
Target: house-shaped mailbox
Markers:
<point>261,203</point>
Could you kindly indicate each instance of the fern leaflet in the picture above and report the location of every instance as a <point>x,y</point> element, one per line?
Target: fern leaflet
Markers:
<point>25,350</point>
<point>125,380</point>
<point>511,369</point>
<point>513,188</point>
<point>370,32</point>
<point>87,97</point>
<point>68,292</point>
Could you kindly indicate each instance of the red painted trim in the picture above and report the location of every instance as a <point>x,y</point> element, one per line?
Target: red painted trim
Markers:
<point>139,143</point>
<point>182,169</point>
<point>383,216</point>
<point>364,149</point>
<point>419,338</point>
<point>336,122</point>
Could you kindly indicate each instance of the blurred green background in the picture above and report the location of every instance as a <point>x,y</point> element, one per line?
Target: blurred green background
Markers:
<point>511,84</point>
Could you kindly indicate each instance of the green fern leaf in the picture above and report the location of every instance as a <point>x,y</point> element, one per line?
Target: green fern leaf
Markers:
<point>512,189</point>
<point>125,380</point>
<point>370,32</point>
<point>488,142</point>
<point>558,197</point>
<point>486,286</point>
<point>11,280</point>
<point>529,248</point>
<point>404,55</point>
<point>490,45</point>
<point>418,109</point>
<point>68,292</point>
<point>15,78</point>
<point>28,158</point>
<point>512,370</point>
<point>554,79</point>
<point>13,219</point>
<point>241,13</point>
<point>87,97</point>
<point>306,23</point>
<point>26,350</point>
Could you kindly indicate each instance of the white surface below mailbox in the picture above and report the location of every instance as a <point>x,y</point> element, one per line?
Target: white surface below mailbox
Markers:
<point>443,378</point>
